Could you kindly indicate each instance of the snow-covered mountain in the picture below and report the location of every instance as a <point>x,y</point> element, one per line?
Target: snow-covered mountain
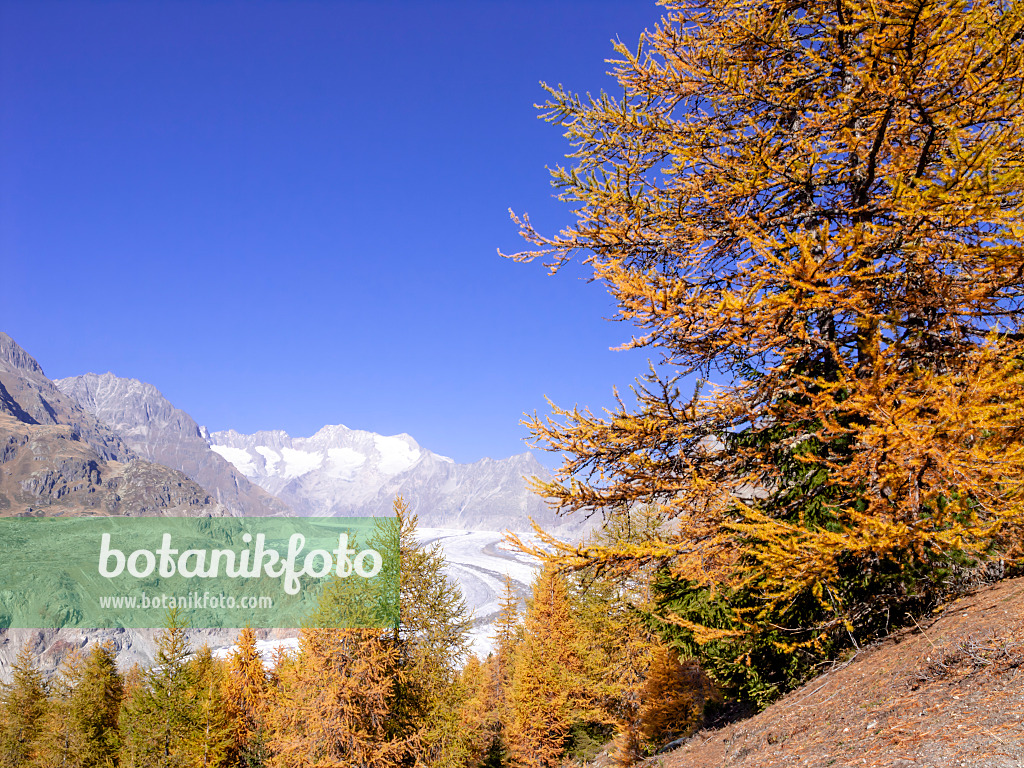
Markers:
<point>342,471</point>
<point>337,471</point>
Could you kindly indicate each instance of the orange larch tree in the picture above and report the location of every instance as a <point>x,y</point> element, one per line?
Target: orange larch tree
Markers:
<point>246,691</point>
<point>816,209</point>
<point>546,692</point>
<point>334,701</point>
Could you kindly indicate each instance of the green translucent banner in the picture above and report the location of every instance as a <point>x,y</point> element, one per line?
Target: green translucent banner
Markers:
<point>262,572</point>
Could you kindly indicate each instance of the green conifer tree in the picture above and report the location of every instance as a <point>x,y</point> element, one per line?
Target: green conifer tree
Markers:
<point>159,716</point>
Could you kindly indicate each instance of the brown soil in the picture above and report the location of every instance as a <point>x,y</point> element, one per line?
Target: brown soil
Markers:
<point>949,692</point>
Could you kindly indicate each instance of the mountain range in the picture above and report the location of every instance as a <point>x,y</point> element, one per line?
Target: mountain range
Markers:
<point>336,472</point>
<point>342,472</point>
<point>99,444</point>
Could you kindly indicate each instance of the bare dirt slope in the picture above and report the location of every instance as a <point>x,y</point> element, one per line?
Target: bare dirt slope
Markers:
<point>949,693</point>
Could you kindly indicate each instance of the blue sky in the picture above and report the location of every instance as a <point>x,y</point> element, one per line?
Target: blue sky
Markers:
<point>286,214</point>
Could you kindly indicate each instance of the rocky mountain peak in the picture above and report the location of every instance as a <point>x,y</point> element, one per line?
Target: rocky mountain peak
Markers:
<point>17,358</point>
<point>90,389</point>
<point>342,471</point>
<point>160,432</point>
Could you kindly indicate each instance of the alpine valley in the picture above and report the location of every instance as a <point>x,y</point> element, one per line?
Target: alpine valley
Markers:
<point>99,444</point>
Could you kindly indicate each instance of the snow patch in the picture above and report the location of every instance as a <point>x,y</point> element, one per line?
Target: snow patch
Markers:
<point>239,457</point>
<point>271,456</point>
<point>343,462</point>
<point>267,649</point>
<point>396,455</point>
<point>299,462</point>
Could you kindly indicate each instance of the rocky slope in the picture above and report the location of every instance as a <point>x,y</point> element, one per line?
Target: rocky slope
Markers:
<point>947,693</point>
<point>56,458</point>
<point>158,432</point>
<point>342,471</point>
<point>31,398</point>
<point>46,470</point>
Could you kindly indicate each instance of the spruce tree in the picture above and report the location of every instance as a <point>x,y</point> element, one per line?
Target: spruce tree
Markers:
<point>159,716</point>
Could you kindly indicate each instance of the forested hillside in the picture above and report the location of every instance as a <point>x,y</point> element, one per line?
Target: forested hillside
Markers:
<point>572,672</point>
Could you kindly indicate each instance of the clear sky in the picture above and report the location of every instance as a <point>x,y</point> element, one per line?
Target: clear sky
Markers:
<point>286,214</point>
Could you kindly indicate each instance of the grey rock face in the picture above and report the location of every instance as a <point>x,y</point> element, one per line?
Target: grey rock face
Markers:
<point>158,432</point>
<point>16,358</point>
<point>346,472</point>
<point>487,495</point>
<point>47,470</point>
